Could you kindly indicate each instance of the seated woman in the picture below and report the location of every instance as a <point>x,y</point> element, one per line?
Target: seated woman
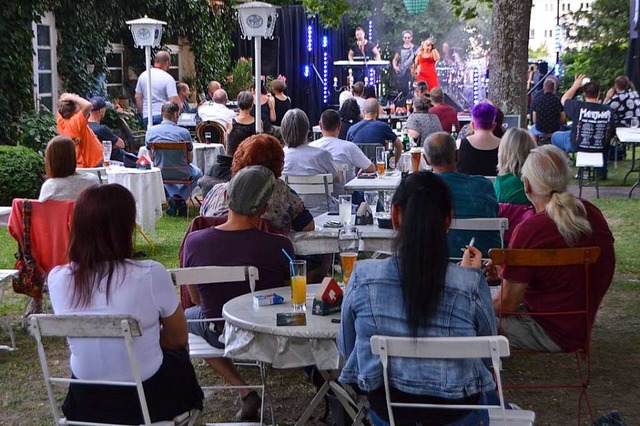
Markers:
<point>63,182</point>
<point>513,202</point>
<point>421,124</point>
<point>478,153</point>
<point>285,210</point>
<point>431,298</point>
<point>301,159</point>
<point>244,119</point>
<point>350,114</point>
<point>103,279</point>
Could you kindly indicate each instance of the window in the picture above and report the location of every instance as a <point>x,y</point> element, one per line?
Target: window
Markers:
<point>115,61</point>
<point>45,77</point>
<point>532,33</point>
<point>175,67</point>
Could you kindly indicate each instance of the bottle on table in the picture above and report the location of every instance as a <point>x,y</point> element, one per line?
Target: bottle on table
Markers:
<point>391,157</point>
<point>454,134</point>
<point>392,109</point>
<point>406,142</point>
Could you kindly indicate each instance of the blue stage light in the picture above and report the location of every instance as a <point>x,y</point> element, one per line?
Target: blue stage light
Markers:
<point>306,71</point>
<point>309,38</point>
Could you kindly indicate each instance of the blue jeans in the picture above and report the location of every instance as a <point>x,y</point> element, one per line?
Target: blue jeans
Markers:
<point>474,418</point>
<point>157,119</point>
<point>562,139</point>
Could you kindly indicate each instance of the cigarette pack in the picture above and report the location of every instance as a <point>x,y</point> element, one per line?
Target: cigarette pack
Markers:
<point>267,299</point>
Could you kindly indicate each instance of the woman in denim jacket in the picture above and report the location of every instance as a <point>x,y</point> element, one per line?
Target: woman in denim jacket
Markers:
<point>418,293</point>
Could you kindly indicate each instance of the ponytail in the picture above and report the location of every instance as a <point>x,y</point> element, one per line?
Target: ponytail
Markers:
<point>569,215</point>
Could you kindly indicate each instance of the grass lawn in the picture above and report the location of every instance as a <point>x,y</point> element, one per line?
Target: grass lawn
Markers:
<point>616,344</point>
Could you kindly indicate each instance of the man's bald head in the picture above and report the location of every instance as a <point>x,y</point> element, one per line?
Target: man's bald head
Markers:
<point>440,149</point>
<point>371,106</point>
<point>162,60</point>
<point>220,97</point>
<point>212,87</point>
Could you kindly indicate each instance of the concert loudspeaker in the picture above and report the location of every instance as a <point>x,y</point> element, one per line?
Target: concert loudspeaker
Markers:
<point>449,101</point>
<point>271,56</point>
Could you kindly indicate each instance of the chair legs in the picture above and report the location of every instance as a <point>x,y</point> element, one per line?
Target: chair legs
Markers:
<point>591,171</point>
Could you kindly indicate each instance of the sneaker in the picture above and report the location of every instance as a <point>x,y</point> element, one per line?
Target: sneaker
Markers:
<point>250,409</point>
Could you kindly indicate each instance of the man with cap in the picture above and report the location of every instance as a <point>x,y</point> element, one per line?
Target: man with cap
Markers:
<point>104,133</point>
<point>237,242</point>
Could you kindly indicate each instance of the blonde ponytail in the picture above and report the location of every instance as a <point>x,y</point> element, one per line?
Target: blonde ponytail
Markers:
<point>569,215</point>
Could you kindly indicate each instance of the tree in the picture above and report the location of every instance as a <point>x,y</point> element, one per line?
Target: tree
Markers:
<point>509,55</point>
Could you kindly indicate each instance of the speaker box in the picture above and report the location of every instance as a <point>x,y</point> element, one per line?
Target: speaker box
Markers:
<point>271,56</point>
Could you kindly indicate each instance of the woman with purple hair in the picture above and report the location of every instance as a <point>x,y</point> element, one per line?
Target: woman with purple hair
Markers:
<point>478,153</point>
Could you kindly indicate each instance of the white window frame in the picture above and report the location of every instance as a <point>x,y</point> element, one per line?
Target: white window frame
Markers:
<point>48,19</point>
<point>116,48</point>
<point>174,49</point>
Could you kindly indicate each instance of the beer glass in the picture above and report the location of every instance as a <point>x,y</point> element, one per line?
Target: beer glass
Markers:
<point>348,246</point>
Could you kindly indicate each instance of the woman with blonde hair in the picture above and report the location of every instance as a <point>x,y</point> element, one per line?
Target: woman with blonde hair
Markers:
<point>512,153</point>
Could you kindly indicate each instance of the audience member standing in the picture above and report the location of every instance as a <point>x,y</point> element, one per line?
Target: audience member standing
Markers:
<point>547,111</point>
<point>267,108</point>
<point>163,89</point>
<point>282,101</point>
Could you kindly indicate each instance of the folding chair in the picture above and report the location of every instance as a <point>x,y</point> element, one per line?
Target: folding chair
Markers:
<point>198,347</point>
<point>499,224</point>
<point>584,256</point>
<point>211,132</point>
<point>492,347</point>
<point>589,161</point>
<point>92,326</point>
<point>311,185</point>
<point>175,153</point>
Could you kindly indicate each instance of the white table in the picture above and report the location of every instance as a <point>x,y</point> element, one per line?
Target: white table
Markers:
<point>5,279</point>
<point>388,182</point>
<point>4,216</point>
<point>251,333</point>
<point>101,172</point>
<point>205,156</point>
<point>632,136</point>
<point>325,240</point>
<point>148,191</point>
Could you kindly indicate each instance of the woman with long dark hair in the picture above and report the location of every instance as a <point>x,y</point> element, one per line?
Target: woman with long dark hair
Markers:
<point>103,279</point>
<point>418,293</point>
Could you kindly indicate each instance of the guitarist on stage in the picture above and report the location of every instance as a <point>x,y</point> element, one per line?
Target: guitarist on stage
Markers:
<point>402,63</point>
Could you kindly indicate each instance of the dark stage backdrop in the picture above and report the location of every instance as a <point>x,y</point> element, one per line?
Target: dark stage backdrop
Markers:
<point>287,54</point>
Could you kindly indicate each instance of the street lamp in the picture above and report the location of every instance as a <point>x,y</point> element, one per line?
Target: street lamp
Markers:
<point>257,20</point>
<point>147,33</point>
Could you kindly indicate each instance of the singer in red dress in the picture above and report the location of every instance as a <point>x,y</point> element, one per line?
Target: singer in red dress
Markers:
<point>425,63</point>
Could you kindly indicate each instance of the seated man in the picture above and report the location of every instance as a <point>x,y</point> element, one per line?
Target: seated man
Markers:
<point>473,196</point>
<point>446,113</point>
<point>343,152</point>
<point>371,131</point>
<point>72,121</point>
<point>592,125</point>
<point>562,221</point>
<point>216,110</point>
<point>547,111</point>
<point>624,101</point>
<point>183,96</point>
<point>169,131</point>
<point>102,132</point>
<point>236,243</point>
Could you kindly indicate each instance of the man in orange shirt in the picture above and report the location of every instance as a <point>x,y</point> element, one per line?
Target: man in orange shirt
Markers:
<point>72,119</point>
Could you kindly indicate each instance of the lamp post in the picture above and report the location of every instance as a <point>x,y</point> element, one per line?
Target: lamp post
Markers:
<point>257,20</point>
<point>147,33</point>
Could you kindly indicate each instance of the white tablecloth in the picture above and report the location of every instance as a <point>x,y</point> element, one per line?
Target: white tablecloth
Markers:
<point>383,183</point>
<point>148,191</point>
<point>205,156</point>
<point>325,240</point>
<point>251,333</point>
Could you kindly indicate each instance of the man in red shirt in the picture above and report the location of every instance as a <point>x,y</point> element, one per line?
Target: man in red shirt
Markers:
<point>73,121</point>
<point>561,221</point>
<point>446,113</point>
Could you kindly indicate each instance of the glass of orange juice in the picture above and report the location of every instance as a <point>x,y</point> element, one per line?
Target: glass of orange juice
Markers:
<point>299,284</point>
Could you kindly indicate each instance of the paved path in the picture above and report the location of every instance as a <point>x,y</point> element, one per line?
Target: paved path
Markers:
<point>589,192</point>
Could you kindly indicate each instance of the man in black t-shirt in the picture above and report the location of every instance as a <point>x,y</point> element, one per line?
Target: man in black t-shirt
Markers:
<point>548,113</point>
<point>402,63</point>
<point>104,133</point>
<point>363,47</point>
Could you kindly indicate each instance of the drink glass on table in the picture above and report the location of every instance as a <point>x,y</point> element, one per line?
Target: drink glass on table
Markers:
<point>106,152</point>
<point>299,284</point>
<point>344,209</point>
<point>348,246</point>
<point>409,105</point>
<point>381,160</point>
<point>371,197</point>
<point>416,152</point>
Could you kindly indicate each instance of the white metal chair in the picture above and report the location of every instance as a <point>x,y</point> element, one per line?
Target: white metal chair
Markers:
<point>589,161</point>
<point>198,347</point>
<point>500,224</point>
<point>311,185</point>
<point>91,326</point>
<point>492,347</point>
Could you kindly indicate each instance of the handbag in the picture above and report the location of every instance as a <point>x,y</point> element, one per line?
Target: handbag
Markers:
<point>28,280</point>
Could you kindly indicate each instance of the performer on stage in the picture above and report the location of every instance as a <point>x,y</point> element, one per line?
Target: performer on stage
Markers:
<point>425,63</point>
<point>363,47</point>
<point>403,61</point>
<point>450,57</point>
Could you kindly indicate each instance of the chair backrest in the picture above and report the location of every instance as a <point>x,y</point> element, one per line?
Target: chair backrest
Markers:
<point>500,224</point>
<point>88,326</point>
<point>174,165</point>
<point>491,347</point>
<point>50,230</point>
<point>211,132</point>
<point>369,149</point>
<point>311,185</point>
<point>585,256</point>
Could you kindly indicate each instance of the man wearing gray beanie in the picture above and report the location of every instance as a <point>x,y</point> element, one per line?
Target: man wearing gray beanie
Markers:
<point>237,242</point>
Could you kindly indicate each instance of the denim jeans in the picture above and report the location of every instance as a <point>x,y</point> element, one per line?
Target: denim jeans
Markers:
<point>562,140</point>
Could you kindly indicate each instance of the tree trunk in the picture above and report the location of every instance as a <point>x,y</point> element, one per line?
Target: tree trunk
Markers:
<point>508,61</point>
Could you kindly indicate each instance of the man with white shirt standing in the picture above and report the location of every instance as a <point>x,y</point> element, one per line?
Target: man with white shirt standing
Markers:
<point>343,152</point>
<point>216,110</point>
<point>163,89</point>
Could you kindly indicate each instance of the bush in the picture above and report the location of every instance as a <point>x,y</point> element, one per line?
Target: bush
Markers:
<point>21,173</point>
<point>35,130</point>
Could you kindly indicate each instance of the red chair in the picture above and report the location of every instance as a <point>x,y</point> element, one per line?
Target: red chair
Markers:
<point>581,256</point>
